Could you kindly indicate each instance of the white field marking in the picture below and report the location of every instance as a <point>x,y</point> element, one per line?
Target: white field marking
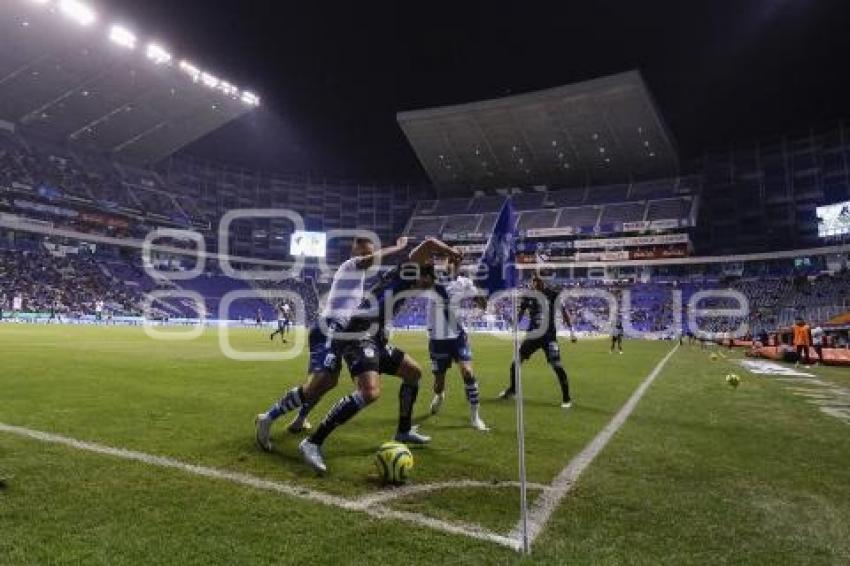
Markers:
<point>362,506</point>
<point>542,510</point>
<point>416,489</point>
<point>823,402</point>
<point>839,413</point>
<point>830,398</point>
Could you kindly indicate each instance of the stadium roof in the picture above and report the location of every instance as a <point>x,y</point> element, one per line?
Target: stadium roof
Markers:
<point>67,75</point>
<point>602,131</point>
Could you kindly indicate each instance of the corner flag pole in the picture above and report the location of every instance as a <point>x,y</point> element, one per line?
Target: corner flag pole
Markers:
<point>520,431</point>
<point>499,263</point>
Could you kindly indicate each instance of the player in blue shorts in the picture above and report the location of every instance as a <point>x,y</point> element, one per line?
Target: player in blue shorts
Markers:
<point>368,353</point>
<point>345,296</point>
<point>448,343</point>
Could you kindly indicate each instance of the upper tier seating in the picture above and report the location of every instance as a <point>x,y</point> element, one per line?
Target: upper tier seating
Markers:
<point>604,209</point>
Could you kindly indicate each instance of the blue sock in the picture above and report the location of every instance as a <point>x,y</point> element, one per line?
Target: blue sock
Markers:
<point>304,411</point>
<point>471,390</point>
<point>292,399</point>
<point>406,399</point>
<point>339,414</point>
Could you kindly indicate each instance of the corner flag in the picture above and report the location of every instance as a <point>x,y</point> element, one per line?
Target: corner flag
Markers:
<point>499,259</point>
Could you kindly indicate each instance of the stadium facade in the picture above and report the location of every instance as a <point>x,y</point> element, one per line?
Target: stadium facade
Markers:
<point>90,127</point>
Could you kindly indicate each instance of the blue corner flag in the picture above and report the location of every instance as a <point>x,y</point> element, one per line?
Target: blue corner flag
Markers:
<point>498,264</point>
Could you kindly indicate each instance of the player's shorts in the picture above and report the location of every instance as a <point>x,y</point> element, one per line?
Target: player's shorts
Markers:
<point>324,353</point>
<point>371,355</point>
<point>282,323</point>
<point>548,343</point>
<point>444,352</point>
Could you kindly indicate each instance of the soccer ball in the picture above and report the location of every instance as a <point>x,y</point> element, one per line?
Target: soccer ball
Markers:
<point>394,462</point>
<point>733,379</point>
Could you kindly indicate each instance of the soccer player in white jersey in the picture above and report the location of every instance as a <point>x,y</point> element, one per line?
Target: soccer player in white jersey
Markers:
<point>346,294</point>
<point>98,311</point>
<point>17,306</point>
<point>448,342</point>
<point>284,319</point>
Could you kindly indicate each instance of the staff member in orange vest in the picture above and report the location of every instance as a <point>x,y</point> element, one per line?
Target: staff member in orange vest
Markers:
<point>802,340</point>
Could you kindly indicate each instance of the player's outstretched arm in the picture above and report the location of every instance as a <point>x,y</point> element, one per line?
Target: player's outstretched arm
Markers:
<point>378,256</point>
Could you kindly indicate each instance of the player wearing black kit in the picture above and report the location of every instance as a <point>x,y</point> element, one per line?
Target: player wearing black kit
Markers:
<point>365,347</point>
<point>543,335</point>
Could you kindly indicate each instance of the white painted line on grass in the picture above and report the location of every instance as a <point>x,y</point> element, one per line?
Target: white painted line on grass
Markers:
<point>542,510</point>
<point>362,505</point>
<point>417,489</point>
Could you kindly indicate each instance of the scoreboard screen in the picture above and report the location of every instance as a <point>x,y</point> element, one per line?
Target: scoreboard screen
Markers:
<point>308,244</point>
<point>833,220</point>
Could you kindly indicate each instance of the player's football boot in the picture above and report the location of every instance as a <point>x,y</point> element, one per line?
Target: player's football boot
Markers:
<point>567,405</point>
<point>478,424</point>
<point>507,394</point>
<point>299,425</point>
<point>312,454</point>
<point>412,437</point>
<point>437,403</point>
<point>264,431</point>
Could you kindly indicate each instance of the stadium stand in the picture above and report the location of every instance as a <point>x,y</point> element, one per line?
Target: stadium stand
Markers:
<point>599,210</point>
<point>762,196</point>
<point>624,212</point>
<point>70,284</point>
<point>82,190</point>
<point>587,216</point>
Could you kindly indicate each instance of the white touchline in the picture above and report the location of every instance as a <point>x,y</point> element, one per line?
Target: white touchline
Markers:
<point>367,505</point>
<point>542,510</point>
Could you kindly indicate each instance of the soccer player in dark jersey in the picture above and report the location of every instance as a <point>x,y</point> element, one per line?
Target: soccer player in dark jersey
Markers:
<point>368,353</point>
<point>542,323</point>
<point>323,369</point>
<point>617,337</point>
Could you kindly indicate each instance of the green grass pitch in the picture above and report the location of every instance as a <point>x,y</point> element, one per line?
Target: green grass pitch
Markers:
<point>701,473</point>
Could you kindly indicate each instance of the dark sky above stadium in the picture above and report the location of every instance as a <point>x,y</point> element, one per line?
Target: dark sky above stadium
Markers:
<point>333,74</point>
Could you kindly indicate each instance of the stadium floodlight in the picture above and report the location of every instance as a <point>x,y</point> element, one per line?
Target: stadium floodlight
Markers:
<point>250,98</point>
<point>77,11</point>
<point>158,54</point>
<point>120,35</point>
<point>228,89</point>
<point>190,70</point>
<point>209,80</point>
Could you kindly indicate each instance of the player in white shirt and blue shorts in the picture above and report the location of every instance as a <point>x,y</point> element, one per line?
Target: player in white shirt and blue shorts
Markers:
<point>345,297</point>
<point>448,343</point>
<point>284,321</point>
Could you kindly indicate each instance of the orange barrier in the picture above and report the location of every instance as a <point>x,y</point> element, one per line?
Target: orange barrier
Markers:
<point>770,352</point>
<point>831,356</point>
<point>840,319</point>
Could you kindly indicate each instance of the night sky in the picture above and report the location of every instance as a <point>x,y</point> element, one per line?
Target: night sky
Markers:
<point>333,74</point>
